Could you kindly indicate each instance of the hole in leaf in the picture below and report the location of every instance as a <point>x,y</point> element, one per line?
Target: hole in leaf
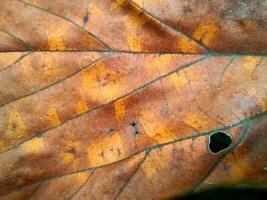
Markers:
<point>135,128</point>
<point>133,124</point>
<point>219,141</point>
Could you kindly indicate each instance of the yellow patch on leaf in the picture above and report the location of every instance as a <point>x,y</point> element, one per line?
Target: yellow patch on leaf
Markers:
<point>55,43</point>
<point>34,146</point>
<point>53,117</point>
<point>134,42</point>
<point>80,107</point>
<point>136,21</point>
<point>55,38</point>
<point>251,62</point>
<point>196,120</point>
<point>119,107</point>
<point>50,69</point>
<point>206,32</point>
<point>67,156</point>
<point>15,127</point>
<point>186,45</point>
<point>162,134</point>
<point>2,146</point>
<point>179,80</point>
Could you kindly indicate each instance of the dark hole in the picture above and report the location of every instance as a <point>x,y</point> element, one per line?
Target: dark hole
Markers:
<point>135,131</point>
<point>133,124</point>
<point>219,141</point>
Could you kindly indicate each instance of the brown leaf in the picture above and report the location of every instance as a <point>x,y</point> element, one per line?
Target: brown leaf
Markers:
<point>119,99</point>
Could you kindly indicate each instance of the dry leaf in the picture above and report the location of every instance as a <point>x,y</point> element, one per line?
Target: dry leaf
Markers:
<point>121,99</point>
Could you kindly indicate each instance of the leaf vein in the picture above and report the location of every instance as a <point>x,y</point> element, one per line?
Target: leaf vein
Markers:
<point>136,90</point>
<point>165,24</point>
<point>68,20</point>
<point>149,149</point>
<point>25,44</point>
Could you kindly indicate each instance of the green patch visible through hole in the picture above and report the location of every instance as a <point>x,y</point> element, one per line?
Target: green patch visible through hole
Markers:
<point>219,141</point>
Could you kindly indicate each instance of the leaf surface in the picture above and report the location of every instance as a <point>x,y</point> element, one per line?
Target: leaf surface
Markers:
<point>118,99</point>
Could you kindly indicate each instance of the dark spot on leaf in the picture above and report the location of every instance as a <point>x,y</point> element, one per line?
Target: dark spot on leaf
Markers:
<point>135,128</point>
<point>85,19</point>
<point>133,124</point>
<point>219,141</point>
<point>111,130</point>
<point>72,150</point>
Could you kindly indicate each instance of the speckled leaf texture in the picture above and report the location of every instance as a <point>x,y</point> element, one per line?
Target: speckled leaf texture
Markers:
<point>105,99</point>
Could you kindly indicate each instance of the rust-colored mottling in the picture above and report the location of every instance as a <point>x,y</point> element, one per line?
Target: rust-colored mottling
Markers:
<point>116,99</point>
<point>22,194</point>
<point>220,25</point>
